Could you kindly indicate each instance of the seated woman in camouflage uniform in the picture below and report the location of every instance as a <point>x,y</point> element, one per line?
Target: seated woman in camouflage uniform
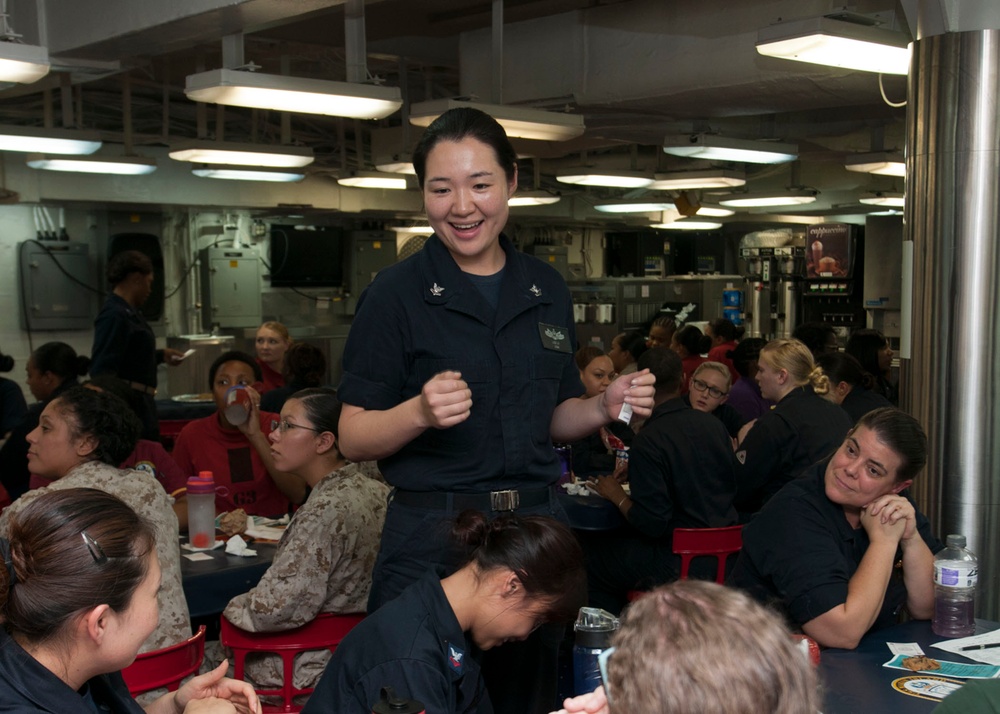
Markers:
<point>324,559</point>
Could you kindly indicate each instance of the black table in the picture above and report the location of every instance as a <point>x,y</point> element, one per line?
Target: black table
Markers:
<point>209,585</point>
<point>590,513</point>
<point>856,681</point>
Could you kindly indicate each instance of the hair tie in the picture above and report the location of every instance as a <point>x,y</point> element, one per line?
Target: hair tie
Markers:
<point>7,561</point>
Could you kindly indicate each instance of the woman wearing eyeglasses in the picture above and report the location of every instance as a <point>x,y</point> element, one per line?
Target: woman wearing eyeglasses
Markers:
<point>324,559</point>
<point>709,392</point>
<point>238,454</point>
<point>81,437</point>
<point>78,596</point>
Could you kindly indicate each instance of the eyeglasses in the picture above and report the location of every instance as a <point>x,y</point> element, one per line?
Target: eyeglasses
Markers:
<point>283,425</point>
<point>703,386</point>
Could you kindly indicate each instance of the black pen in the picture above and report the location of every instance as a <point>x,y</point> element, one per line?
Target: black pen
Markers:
<point>990,646</point>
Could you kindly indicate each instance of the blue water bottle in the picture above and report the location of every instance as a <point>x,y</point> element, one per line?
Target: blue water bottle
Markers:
<point>593,628</point>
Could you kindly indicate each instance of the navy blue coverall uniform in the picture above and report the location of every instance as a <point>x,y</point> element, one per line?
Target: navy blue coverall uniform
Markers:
<point>423,316</point>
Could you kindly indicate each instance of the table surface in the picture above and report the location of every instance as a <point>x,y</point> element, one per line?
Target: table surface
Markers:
<point>856,681</point>
<point>590,513</point>
<point>209,585</point>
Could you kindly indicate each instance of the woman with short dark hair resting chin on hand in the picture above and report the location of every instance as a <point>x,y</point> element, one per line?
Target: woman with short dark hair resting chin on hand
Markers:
<point>850,523</point>
<point>78,596</point>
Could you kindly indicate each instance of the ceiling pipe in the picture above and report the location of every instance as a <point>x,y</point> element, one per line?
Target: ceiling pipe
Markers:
<point>496,93</point>
<point>355,44</point>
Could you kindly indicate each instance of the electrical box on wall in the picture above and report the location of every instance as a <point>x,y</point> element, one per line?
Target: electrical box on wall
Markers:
<point>370,251</point>
<point>555,255</point>
<point>54,277</point>
<point>230,286</point>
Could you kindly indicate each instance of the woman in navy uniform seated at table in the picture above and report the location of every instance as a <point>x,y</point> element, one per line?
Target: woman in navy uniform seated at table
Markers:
<point>801,429</point>
<point>78,596</point>
<point>520,572</point>
<point>825,548</point>
<point>459,374</point>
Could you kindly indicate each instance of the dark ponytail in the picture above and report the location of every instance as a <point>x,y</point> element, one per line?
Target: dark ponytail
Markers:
<point>542,552</point>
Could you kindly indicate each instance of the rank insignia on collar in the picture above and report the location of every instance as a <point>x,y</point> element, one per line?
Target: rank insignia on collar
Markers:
<point>436,290</point>
<point>535,291</point>
<point>455,657</point>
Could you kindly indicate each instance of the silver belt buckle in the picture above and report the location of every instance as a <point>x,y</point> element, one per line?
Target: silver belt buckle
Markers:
<point>507,500</point>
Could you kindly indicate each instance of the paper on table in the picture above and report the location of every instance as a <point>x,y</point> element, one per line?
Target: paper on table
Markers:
<point>990,656</point>
<point>951,669</point>
<point>909,649</point>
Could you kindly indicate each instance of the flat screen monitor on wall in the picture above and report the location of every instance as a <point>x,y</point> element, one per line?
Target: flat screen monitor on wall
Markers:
<point>307,258</point>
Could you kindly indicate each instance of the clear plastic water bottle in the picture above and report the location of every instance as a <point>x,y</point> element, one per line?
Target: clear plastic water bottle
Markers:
<point>956,572</point>
<point>201,510</point>
<point>593,628</point>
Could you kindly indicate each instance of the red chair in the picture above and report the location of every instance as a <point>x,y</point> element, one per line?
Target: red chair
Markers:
<point>689,543</point>
<point>166,667</point>
<point>170,429</point>
<point>326,631</point>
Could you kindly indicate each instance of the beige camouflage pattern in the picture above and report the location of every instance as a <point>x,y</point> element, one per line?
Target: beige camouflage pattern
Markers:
<point>143,493</point>
<point>323,563</point>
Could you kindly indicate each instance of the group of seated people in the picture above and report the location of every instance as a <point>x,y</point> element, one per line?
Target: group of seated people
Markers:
<point>801,469</point>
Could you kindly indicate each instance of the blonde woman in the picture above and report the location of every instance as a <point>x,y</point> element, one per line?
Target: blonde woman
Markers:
<point>709,390</point>
<point>271,343</point>
<point>802,428</point>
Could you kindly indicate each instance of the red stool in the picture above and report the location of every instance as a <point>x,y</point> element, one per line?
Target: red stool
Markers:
<point>166,667</point>
<point>325,632</point>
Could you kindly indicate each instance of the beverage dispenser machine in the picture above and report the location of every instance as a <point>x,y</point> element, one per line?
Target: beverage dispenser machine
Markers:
<point>757,250</point>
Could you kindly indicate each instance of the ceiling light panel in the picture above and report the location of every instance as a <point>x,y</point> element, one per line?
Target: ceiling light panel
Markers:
<point>686,225</point>
<point>22,63</point>
<point>518,122</point>
<point>374,179</point>
<point>118,165</point>
<point>693,180</point>
<point>890,199</point>
<point>241,88</point>
<point>835,43</point>
<point>220,152</point>
<point>633,206</point>
<point>883,163</point>
<point>598,177</point>
<point>722,148</point>
<point>248,173</point>
<point>33,140</point>
<point>757,200</point>
<point>532,198</point>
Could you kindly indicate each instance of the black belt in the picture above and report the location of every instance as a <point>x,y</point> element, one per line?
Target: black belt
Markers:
<point>506,500</point>
<point>140,387</point>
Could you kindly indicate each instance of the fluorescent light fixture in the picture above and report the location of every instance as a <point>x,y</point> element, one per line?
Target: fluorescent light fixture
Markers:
<point>792,197</point>
<point>22,63</point>
<point>626,206</point>
<point>891,199</point>
<point>413,230</point>
<point>120,165</point>
<point>241,88</point>
<point>597,177</point>
<point>33,140</point>
<point>835,43</point>
<point>248,173</point>
<point>518,122</point>
<point>884,163</point>
<point>221,152</point>
<point>533,198</point>
<point>721,148</point>
<point>687,225</point>
<point>713,211</point>
<point>690,180</point>
<point>397,165</point>
<point>374,179</point>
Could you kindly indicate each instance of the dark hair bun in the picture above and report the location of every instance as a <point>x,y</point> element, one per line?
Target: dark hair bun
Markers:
<point>6,363</point>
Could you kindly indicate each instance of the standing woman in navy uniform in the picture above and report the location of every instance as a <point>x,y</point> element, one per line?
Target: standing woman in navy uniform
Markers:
<point>459,374</point>
<point>124,343</point>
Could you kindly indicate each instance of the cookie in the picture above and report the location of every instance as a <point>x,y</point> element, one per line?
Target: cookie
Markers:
<point>921,663</point>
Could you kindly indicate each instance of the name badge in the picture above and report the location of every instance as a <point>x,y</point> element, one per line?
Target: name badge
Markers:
<point>554,337</point>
